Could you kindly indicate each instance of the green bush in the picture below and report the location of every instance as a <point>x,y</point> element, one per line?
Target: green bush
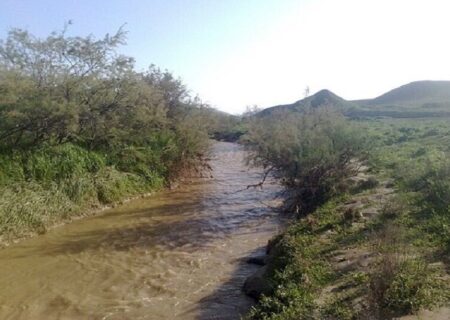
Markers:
<point>405,285</point>
<point>297,268</point>
<point>290,302</point>
<point>312,153</point>
<point>56,163</point>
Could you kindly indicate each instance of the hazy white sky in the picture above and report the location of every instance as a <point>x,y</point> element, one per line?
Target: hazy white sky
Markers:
<point>235,53</point>
<point>356,48</point>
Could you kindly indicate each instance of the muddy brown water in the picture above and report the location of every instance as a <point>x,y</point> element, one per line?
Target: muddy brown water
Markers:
<point>175,255</point>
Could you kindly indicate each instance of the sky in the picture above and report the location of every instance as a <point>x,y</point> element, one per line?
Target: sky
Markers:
<point>238,53</point>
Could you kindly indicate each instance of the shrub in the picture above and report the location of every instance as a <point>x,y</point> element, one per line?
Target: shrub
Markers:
<point>290,302</point>
<point>312,152</point>
<point>56,163</point>
<point>404,285</point>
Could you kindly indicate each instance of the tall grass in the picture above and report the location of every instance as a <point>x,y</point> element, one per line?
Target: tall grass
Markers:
<point>402,282</point>
<point>52,183</point>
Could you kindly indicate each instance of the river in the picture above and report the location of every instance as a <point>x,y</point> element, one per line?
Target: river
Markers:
<point>178,254</point>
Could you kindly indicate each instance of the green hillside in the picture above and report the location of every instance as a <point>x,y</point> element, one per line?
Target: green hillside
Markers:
<point>420,94</point>
<point>319,99</point>
<point>414,100</point>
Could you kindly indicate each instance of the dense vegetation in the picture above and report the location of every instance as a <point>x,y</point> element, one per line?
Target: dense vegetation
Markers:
<point>416,155</point>
<point>375,244</point>
<point>313,153</point>
<point>79,127</point>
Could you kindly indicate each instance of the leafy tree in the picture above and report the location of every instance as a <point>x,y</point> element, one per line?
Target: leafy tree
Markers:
<point>76,119</point>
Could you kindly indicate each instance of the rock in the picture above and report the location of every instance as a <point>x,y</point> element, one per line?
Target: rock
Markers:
<point>257,284</point>
<point>259,260</point>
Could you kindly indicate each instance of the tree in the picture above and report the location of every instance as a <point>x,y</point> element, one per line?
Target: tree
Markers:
<point>311,152</point>
<point>65,88</point>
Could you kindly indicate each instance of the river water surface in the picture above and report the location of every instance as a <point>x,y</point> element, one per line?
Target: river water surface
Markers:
<point>174,255</point>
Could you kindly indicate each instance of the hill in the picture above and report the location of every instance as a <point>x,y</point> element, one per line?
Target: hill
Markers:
<point>321,98</point>
<point>419,94</point>
<point>414,100</point>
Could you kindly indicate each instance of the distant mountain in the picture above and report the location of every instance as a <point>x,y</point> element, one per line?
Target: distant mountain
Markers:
<point>321,98</point>
<point>419,93</point>
<point>413,100</point>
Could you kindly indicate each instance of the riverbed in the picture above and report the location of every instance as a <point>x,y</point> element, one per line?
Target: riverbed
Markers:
<point>179,254</point>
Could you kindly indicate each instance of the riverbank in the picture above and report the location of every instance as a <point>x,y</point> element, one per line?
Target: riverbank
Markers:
<point>90,131</point>
<point>362,255</point>
<point>90,207</point>
<point>371,196</point>
<point>340,261</point>
<point>95,210</point>
<point>53,185</point>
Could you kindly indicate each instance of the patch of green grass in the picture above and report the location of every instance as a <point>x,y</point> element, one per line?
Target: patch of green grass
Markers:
<point>112,185</point>
<point>338,309</point>
<point>404,285</point>
<point>421,169</point>
<point>298,268</point>
<point>42,187</point>
<point>30,207</point>
<point>289,302</point>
